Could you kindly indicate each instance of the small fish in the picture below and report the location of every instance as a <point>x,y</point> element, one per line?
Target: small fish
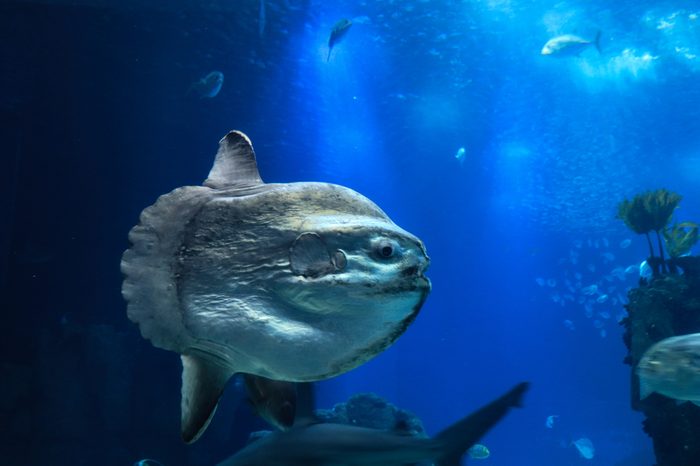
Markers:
<point>671,367</point>
<point>631,269</point>
<point>585,447</point>
<point>590,290</point>
<point>601,299</point>
<point>209,86</point>
<point>540,281</point>
<point>478,452</point>
<point>461,152</point>
<point>569,324</point>
<point>551,283</point>
<point>148,462</point>
<point>340,29</point>
<point>569,45</point>
<point>549,423</point>
<point>619,273</point>
<point>625,243</point>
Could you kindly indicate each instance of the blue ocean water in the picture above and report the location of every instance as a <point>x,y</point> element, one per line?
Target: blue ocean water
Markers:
<point>98,120</point>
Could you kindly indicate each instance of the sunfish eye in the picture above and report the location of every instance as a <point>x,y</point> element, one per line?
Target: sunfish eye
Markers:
<point>386,248</point>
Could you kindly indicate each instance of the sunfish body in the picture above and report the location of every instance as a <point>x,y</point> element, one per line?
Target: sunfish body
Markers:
<point>671,367</point>
<point>569,45</point>
<point>291,281</point>
<point>209,86</point>
<point>340,29</point>
<point>319,444</point>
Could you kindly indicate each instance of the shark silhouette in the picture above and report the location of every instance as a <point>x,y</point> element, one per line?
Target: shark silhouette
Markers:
<point>312,443</point>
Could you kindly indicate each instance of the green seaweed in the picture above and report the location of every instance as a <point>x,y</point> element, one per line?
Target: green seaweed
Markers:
<point>647,212</point>
<point>680,238</point>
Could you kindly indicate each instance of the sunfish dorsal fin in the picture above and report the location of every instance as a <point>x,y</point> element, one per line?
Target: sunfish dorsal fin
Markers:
<point>306,402</point>
<point>235,164</point>
<point>203,383</point>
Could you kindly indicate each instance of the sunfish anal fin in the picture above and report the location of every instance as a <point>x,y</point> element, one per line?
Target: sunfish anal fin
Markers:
<point>203,383</point>
<point>235,164</point>
<point>306,402</point>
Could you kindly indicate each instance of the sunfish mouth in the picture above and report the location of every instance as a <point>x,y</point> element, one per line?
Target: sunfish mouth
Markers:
<point>421,284</point>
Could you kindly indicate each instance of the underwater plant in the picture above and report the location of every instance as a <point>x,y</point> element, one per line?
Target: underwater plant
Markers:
<point>647,212</point>
<point>680,238</point>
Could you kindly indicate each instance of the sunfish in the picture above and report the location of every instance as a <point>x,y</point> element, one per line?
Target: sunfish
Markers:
<point>671,367</point>
<point>569,45</point>
<point>309,442</point>
<point>289,281</point>
<point>340,29</point>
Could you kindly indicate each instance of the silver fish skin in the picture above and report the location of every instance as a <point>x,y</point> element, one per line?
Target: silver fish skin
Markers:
<point>671,367</point>
<point>569,45</point>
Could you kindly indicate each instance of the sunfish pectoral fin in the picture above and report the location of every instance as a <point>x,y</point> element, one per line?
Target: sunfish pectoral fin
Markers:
<point>456,439</point>
<point>203,383</point>
<point>309,256</point>
<point>235,164</point>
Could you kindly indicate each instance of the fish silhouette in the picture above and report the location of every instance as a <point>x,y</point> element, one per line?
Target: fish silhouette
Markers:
<point>209,86</point>
<point>340,29</point>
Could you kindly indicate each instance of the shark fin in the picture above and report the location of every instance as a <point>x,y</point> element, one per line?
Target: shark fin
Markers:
<point>456,439</point>
<point>203,383</point>
<point>235,164</point>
